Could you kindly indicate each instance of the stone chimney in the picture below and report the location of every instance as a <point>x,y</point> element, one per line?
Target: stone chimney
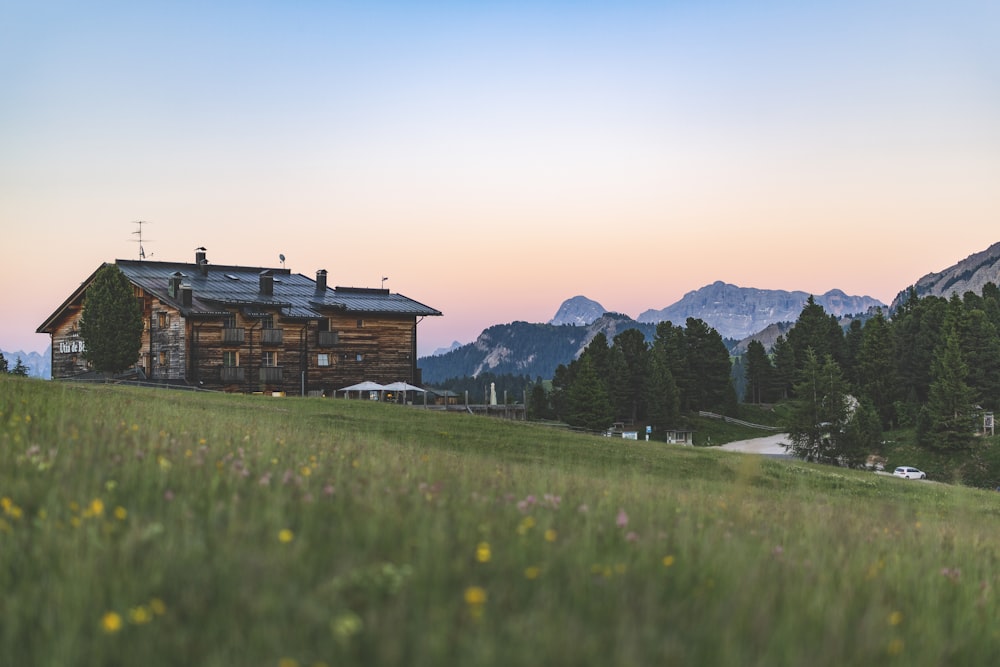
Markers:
<point>186,295</point>
<point>321,280</point>
<point>266,283</point>
<point>200,255</point>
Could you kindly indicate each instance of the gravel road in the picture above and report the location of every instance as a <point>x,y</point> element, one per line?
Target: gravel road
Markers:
<point>771,445</point>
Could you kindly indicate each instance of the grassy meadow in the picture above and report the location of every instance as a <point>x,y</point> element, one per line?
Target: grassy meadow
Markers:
<point>145,527</point>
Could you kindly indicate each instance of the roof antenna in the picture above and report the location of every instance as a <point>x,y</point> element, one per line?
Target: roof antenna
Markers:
<point>142,251</point>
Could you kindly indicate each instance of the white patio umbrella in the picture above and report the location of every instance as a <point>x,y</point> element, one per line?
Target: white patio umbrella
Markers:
<point>402,386</point>
<point>363,386</point>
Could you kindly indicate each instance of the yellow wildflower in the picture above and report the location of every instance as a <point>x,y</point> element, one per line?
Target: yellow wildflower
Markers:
<point>895,618</point>
<point>285,536</point>
<point>111,622</point>
<point>895,647</point>
<point>668,561</point>
<point>157,607</point>
<point>96,507</point>
<point>346,625</point>
<point>140,615</point>
<point>121,513</point>
<point>305,471</point>
<point>475,595</point>
<point>550,535</point>
<point>532,572</point>
<point>483,552</point>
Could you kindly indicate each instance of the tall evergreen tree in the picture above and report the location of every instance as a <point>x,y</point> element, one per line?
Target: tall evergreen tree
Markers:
<point>3,363</point>
<point>587,401</point>
<point>759,374</point>
<point>662,393</point>
<point>668,345</point>
<point>876,368</point>
<point>816,330</point>
<point>634,352</point>
<point>950,420</point>
<point>852,349</point>
<point>784,367</point>
<point>111,324</point>
<point>19,368</point>
<point>980,345</point>
<point>538,402</point>
<point>820,412</point>
<point>861,435</point>
<point>708,364</point>
<point>917,329</point>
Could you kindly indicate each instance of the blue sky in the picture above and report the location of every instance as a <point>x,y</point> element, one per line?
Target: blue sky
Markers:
<point>494,159</point>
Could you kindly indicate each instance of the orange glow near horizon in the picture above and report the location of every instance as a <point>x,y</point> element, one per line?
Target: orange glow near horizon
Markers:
<point>495,161</point>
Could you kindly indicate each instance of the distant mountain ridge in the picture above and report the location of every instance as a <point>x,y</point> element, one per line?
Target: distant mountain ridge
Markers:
<point>968,275</point>
<point>523,348</point>
<point>737,313</point>
<point>39,365</point>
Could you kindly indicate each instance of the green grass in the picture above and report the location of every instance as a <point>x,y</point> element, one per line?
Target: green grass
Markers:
<point>233,530</point>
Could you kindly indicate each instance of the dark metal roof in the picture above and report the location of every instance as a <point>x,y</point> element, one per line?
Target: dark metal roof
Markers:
<point>219,289</point>
<point>224,287</point>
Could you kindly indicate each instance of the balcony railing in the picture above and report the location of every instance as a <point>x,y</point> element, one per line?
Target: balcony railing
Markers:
<point>271,374</point>
<point>232,374</point>
<point>271,336</point>
<point>233,335</point>
<point>328,338</point>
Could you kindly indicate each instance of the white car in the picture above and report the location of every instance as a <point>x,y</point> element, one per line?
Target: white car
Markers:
<point>906,472</point>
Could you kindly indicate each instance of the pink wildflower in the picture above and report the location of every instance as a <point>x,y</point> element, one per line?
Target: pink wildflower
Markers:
<point>622,519</point>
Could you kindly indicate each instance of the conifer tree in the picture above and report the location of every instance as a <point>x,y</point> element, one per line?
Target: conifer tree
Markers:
<point>950,415</point>
<point>111,324</point>
<point>3,363</point>
<point>708,364</point>
<point>820,412</point>
<point>875,376</point>
<point>784,367</point>
<point>759,374</point>
<point>587,401</point>
<point>19,368</point>
<point>633,351</point>
<point>663,396</point>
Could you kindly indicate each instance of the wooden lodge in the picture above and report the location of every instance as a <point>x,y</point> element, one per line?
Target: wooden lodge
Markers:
<point>243,329</point>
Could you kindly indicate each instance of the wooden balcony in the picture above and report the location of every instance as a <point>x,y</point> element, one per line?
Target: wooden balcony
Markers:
<point>232,374</point>
<point>271,336</point>
<point>271,373</point>
<point>328,338</point>
<point>234,335</point>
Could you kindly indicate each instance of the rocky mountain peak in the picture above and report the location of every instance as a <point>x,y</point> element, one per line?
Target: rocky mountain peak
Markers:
<point>968,275</point>
<point>577,311</point>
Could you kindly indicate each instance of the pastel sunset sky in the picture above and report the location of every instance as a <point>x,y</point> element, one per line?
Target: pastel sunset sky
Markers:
<point>493,159</point>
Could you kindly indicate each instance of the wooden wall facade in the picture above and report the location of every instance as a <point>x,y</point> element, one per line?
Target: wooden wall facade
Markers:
<point>300,355</point>
<point>292,356</point>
